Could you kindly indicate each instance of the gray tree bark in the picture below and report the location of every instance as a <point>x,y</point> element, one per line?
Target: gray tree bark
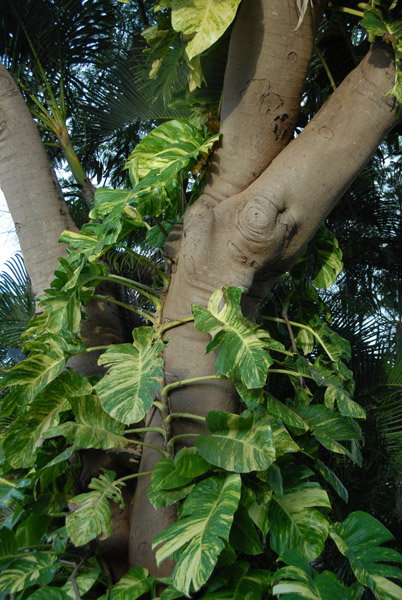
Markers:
<point>30,187</point>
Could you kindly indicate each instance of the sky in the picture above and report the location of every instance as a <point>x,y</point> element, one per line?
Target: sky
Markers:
<point>8,238</point>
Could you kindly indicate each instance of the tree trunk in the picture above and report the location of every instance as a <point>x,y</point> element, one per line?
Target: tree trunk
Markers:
<point>32,192</point>
<point>256,216</point>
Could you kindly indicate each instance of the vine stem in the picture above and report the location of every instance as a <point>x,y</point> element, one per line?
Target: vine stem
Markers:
<point>290,331</point>
<point>325,65</point>
<point>178,437</point>
<point>145,429</point>
<point>97,348</point>
<point>349,11</point>
<point>72,576</point>
<point>161,450</point>
<point>158,223</point>
<point>288,372</point>
<point>172,416</point>
<point>133,476</point>
<point>318,338</point>
<point>140,312</point>
<point>184,382</point>
<point>144,290</point>
<point>164,404</point>
<point>176,324</point>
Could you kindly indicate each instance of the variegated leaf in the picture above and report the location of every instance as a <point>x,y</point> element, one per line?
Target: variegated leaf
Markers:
<point>237,442</point>
<point>93,427</point>
<point>125,392</point>
<point>47,359</point>
<point>91,515</point>
<point>27,432</point>
<point>300,581</point>
<point>295,524</point>
<point>199,535</point>
<point>243,346</point>
<point>206,19</point>
<point>135,583</point>
<point>36,568</point>
<point>161,154</point>
<point>359,538</point>
<point>330,429</point>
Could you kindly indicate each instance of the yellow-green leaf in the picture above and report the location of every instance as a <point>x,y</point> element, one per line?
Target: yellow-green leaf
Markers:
<point>206,20</point>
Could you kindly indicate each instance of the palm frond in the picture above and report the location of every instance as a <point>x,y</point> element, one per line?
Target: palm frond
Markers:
<point>17,305</point>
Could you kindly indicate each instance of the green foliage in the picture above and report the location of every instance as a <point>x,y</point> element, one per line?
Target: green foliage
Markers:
<point>260,488</point>
<point>204,524</point>
<point>91,515</point>
<point>381,20</point>
<point>242,345</point>
<point>134,371</point>
<point>205,21</point>
<point>359,538</point>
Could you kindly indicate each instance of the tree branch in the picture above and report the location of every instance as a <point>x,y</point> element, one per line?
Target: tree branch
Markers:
<point>262,90</point>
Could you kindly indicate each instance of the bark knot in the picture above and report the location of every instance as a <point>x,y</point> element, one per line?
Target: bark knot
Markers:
<point>326,132</point>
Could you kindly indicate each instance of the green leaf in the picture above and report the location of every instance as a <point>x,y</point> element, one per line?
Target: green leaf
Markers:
<point>27,432</point>
<point>49,354</point>
<point>239,443</point>
<point>327,258</point>
<point>189,463</point>
<point>9,491</point>
<point>244,584</point>
<point>155,237</point>
<point>171,478</point>
<point>206,19</point>
<point>332,479</point>
<point>256,500</point>
<point>125,392</point>
<point>204,524</point>
<point>31,530</point>
<point>84,581</point>
<point>8,545</point>
<point>161,497</point>
<point>242,345</point>
<point>92,516</point>
<point>359,538</point>
<point>243,535</point>
<point>93,428</point>
<point>294,524</point>
<point>49,593</point>
<point>166,477</point>
<point>132,585</point>
<point>163,153</point>
<point>296,582</point>
<point>286,414</point>
<point>330,428</point>
<point>37,568</point>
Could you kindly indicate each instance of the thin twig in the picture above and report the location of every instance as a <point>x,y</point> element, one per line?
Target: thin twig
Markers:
<point>290,331</point>
<point>72,576</point>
